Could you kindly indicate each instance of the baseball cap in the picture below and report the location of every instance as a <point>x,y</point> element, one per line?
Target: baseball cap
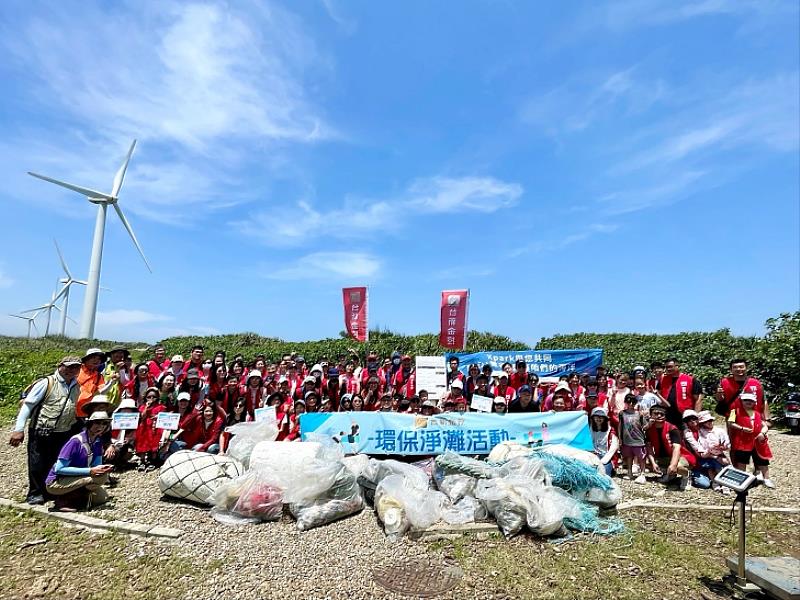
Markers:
<point>457,383</point>
<point>524,388</point>
<point>177,358</point>
<point>599,412</point>
<point>562,386</point>
<point>748,396</point>
<point>705,415</point>
<point>184,396</point>
<point>689,413</point>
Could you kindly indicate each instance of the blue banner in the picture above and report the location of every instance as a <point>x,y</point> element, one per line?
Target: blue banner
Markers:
<point>545,363</point>
<point>467,433</point>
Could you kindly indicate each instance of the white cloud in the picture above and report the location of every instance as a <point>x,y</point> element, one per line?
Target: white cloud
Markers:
<point>299,224</point>
<point>449,195</point>
<point>567,239</point>
<point>122,317</point>
<point>629,14</point>
<point>581,102</point>
<point>330,265</point>
<point>209,89</point>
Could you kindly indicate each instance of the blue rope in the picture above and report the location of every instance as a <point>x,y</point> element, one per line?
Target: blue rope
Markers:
<point>571,474</point>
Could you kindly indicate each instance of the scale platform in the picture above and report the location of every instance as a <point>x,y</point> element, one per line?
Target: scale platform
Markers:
<point>779,576</point>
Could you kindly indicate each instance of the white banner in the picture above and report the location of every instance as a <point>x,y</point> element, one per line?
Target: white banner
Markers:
<point>432,376</point>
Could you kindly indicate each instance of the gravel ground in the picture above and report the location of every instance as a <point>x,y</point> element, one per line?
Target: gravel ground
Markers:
<point>275,560</point>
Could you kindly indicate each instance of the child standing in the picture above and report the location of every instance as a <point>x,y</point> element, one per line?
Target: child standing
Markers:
<point>631,432</point>
<point>748,433</point>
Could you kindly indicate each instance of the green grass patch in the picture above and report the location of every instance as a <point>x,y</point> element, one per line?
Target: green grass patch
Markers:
<point>74,563</point>
<point>662,555</point>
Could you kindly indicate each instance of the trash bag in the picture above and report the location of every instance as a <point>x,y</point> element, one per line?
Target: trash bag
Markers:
<point>341,499</point>
<point>548,509</point>
<point>451,463</point>
<point>356,463</point>
<point>529,467</point>
<point>393,516</point>
<point>466,510</point>
<point>245,436</point>
<point>377,470</point>
<point>457,486</point>
<point>604,498</point>
<point>195,476</point>
<point>255,494</point>
<point>422,507</point>
<point>503,502</point>
<point>228,518</point>
<point>507,450</point>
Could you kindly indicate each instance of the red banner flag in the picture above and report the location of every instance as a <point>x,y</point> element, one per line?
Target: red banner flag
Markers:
<point>454,307</point>
<point>355,312</point>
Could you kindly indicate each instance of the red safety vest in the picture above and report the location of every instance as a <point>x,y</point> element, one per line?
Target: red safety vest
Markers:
<point>730,390</point>
<point>655,437</point>
<point>742,440</point>
<point>683,391</point>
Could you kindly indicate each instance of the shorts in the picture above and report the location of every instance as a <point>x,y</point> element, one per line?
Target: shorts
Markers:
<point>663,463</point>
<point>742,457</point>
<point>710,464</point>
<point>637,452</point>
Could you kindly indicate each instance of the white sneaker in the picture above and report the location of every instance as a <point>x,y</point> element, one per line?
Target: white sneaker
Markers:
<point>684,483</point>
<point>768,483</point>
<point>640,479</point>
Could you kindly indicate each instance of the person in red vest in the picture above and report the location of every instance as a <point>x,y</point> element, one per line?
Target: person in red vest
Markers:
<point>682,392</point>
<point>159,363</point>
<point>665,447</point>
<point>748,433</point>
<point>520,376</point>
<point>404,380</point>
<point>737,383</point>
<point>502,389</point>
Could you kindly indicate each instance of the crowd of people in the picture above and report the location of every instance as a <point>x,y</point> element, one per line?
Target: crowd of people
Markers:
<point>646,419</point>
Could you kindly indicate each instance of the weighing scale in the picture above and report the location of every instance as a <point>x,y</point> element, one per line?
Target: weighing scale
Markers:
<point>776,576</point>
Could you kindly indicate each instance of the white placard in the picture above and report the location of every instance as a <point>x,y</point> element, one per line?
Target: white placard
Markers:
<point>481,403</point>
<point>432,376</point>
<point>266,415</point>
<point>168,420</point>
<point>124,420</point>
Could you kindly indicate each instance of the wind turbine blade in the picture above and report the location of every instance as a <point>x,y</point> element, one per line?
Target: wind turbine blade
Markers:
<point>75,188</point>
<point>61,258</point>
<point>35,327</point>
<point>37,309</point>
<point>120,176</point>
<point>72,320</point>
<point>130,232</point>
<point>20,317</point>
<point>60,293</point>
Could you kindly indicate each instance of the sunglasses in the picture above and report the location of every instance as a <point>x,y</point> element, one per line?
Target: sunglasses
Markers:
<point>658,415</point>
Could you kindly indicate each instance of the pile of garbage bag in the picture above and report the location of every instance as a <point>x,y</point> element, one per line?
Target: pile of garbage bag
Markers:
<point>549,491</point>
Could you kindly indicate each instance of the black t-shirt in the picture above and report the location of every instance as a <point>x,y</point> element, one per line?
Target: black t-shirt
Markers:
<point>516,407</point>
<point>673,416</point>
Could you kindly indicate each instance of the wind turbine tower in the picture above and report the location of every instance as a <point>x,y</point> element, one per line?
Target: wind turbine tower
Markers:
<point>102,200</point>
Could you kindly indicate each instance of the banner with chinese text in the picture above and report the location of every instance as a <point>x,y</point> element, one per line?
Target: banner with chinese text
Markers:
<point>544,363</point>
<point>355,313</point>
<point>463,433</point>
<point>454,308</point>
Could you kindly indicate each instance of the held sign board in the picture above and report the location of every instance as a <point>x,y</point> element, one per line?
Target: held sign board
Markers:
<point>544,363</point>
<point>432,376</point>
<point>266,415</point>
<point>168,421</point>
<point>467,433</point>
<point>124,421</point>
<point>481,403</point>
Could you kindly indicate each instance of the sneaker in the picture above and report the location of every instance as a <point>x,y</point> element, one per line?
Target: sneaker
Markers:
<point>640,479</point>
<point>768,483</point>
<point>684,482</point>
<point>35,500</point>
<point>724,491</point>
<point>664,478</point>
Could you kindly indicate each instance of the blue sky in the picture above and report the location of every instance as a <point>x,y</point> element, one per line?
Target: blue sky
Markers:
<point>630,166</point>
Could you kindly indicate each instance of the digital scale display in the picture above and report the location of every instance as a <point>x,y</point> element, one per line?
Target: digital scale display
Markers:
<point>735,479</point>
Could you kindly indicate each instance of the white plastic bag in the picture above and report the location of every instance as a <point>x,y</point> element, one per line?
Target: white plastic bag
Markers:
<point>340,499</point>
<point>456,487</point>
<point>245,436</point>
<point>422,507</point>
<point>377,470</point>
<point>466,510</point>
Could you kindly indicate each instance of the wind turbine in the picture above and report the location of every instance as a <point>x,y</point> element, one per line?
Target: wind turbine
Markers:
<point>48,308</point>
<point>30,320</point>
<point>102,200</point>
<point>67,282</point>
